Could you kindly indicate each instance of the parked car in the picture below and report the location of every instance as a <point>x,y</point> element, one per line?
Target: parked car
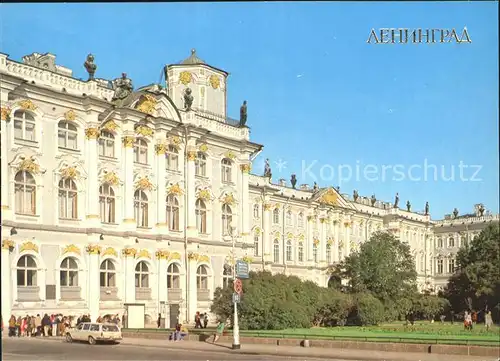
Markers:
<point>95,332</point>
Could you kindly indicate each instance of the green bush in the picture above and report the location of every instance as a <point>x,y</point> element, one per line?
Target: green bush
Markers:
<point>367,310</point>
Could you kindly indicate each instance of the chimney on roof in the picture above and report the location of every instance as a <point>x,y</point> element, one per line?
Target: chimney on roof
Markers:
<point>304,187</point>
<point>282,182</point>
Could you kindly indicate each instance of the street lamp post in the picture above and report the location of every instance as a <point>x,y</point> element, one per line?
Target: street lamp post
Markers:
<point>236,326</point>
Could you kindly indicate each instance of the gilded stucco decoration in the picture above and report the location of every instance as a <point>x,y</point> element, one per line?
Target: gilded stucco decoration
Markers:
<point>277,234</point>
<point>175,189</point>
<point>228,199</point>
<point>341,244</point>
<point>329,198</point>
<point>92,133</point>
<point>175,141</point>
<point>191,155</point>
<point>129,252</point>
<point>347,224</point>
<point>70,115</point>
<point>230,154</point>
<point>128,141</point>
<point>144,131</point>
<point>192,256</point>
<point>93,249</point>
<point>160,148</point>
<point>27,105</point>
<point>267,206</point>
<point>257,231</point>
<point>110,251</point>
<point>110,126</point>
<point>143,253</point>
<point>354,246</point>
<point>203,258</point>
<point>147,104</point>
<point>203,148</point>
<point>6,113</point>
<point>28,165</point>
<point>205,195</point>
<point>301,238</point>
<point>144,184</point>
<point>247,259</point>
<point>111,178</point>
<point>29,246</point>
<point>214,81</point>
<point>72,249</point>
<point>185,77</point>
<point>323,220</point>
<point>289,235</point>
<point>316,242</point>
<point>246,168</point>
<point>175,256</point>
<point>70,172</point>
<point>7,244</point>
<point>162,254</point>
<point>330,241</point>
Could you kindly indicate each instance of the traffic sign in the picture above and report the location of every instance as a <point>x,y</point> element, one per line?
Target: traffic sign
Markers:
<point>238,286</point>
<point>236,298</point>
<point>242,269</point>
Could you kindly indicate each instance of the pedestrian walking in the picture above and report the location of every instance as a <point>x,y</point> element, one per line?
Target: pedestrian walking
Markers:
<point>219,331</point>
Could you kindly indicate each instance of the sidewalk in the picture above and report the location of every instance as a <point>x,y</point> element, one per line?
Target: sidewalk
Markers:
<point>270,350</point>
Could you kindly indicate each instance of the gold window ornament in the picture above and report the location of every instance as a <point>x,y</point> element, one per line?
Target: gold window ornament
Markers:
<point>27,105</point>
<point>214,81</point>
<point>6,113</point>
<point>185,77</point>
<point>70,115</point>
<point>92,133</point>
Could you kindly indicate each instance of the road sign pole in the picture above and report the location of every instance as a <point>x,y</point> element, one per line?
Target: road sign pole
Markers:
<point>236,326</point>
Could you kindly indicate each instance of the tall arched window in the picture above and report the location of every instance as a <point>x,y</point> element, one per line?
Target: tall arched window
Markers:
<point>201,216</point>
<point>141,208</point>
<point>227,219</point>
<point>24,126</point>
<point>25,190</point>
<point>289,220</point>
<point>173,276</point>
<point>68,199</point>
<point>202,278</point>
<point>422,262</point>
<point>315,253</point>
<point>26,271</point>
<point>172,157</point>
<point>142,275</point>
<point>300,219</point>
<point>256,242</point>
<point>200,164</point>
<point>227,276</point>
<point>107,144</point>
<point>440,242</point>
<point>68,274</point>
<point>328,253</point>
<point>256,211</point>
<point>140,151</point>
<point>300,252</point>
<point>276,251</point>
<point>107,203</point>
<point>226,171</point>
<point>172,212</point>
<point>451,242</point>
<point>440,266</point>
<point>67,135</point>
<point>276,216</point>
<point>108,274</point>
<point>289,250</point>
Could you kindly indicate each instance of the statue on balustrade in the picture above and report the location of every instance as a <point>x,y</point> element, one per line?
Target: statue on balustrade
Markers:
<point>243,114</point>
<point>90,66</point>
<point>408,206</point>
<point>267,170</point>
<point>481,210</point>
<point>123,89</point>
<point>396,201</point>
<point>188,99</point>
<point>315,187</point>
<point>293,180</point>
<point>455,213</point>
<point>426,208</point>
<point>373,200</point>
<point>355,195</point>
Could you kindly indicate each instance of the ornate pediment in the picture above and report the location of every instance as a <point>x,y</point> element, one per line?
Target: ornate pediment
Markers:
<point>110,177</point>
<point>330,197</point>
<point>144,183</point>
<point>110,126</point>
<point>70,167</point>
<point>27,163</point>
<point>71,249</point>
<point>228,198</point>
<point>28,246</point>
<point>175,189</point>
<point>147,104</point>
<point>205,194</point>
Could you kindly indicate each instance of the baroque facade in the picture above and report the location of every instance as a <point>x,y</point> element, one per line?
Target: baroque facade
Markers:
<point>113,196</point>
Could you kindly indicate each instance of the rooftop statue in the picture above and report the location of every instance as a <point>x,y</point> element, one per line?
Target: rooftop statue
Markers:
<point>396,201</point>
<point>90,66</point>
<point>188,99</point>
<point>267,170</point>
<point>426,208</point>
<point>123,88</point>
<point>373,200</point>
<point>243,114</point>
<point>408,206</point>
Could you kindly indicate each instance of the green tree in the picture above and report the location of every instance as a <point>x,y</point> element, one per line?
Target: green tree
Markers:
<point>384,267</point>
<point>476,281</point>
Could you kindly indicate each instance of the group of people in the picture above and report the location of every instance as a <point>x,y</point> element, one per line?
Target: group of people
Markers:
<point>201,320</point>
<point>470,319</point>
<point>50,325</point>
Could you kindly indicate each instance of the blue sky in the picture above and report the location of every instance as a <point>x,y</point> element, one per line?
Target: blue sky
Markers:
<point>317,92</point>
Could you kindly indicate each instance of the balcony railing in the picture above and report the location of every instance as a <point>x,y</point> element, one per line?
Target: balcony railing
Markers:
<point>218,118</point>
<point>203,295</point>
<point>142,293</point>
<point>28,294</point>
<point>493,217</point>
<point>174,294</point>
<point>70,293</point>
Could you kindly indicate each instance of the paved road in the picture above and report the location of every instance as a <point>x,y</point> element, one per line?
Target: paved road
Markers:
<point>39,349</point>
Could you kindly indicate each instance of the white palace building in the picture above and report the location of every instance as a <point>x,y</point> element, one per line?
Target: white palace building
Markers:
<point>112,196</point>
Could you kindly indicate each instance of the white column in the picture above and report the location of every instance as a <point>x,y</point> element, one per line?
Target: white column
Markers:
<point>347,237</point>
<point>266,232</point>
<point>310,236</point>
<point>245,204</point>
<point>162,257</point>
<point>322,242</point>
<point>129,274</point>
<point>6,281</point>
<point>93,283</point>
<point>92,159</point>
<point>191,194</point>
<point>128,179</point>
<point>161,191</point>
<point>192,292</point>
<point>336,235</point>
<point>5,168</point>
